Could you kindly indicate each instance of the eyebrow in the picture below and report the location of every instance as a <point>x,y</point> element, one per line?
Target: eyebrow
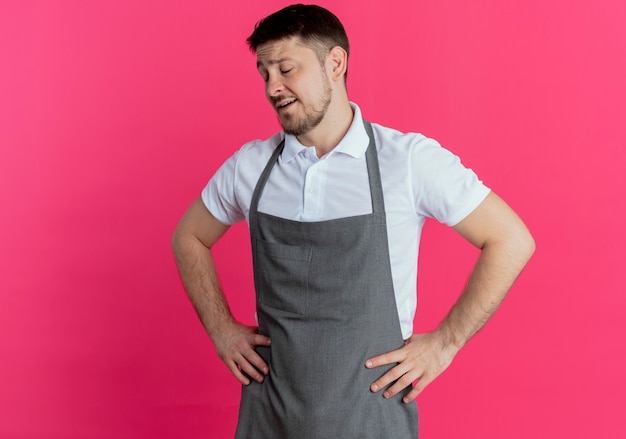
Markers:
<point>272,62</point>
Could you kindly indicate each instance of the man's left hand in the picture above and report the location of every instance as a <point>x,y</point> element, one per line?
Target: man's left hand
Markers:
<point>422,359</point>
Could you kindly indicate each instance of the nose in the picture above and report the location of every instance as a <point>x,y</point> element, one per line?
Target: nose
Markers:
<point>274,86</point>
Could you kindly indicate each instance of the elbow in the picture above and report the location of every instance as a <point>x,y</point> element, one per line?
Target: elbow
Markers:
<point>516,245</point>
<point>530,247</point>
<point>525,245</point>
<point>178,240</point>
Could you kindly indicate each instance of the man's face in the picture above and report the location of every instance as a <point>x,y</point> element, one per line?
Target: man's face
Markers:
<point>296,84</point>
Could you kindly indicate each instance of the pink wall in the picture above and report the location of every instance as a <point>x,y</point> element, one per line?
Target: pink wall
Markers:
<point>113,115</point>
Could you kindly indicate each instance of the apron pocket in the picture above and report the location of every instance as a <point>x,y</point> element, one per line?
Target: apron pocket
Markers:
<point>281,275</point>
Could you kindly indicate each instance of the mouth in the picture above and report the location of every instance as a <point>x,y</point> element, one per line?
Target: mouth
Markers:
<point>285,103</point>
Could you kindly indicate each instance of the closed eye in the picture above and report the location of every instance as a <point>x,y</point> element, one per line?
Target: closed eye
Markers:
<point>264,74</point>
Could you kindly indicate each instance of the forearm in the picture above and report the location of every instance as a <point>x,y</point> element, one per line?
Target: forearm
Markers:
<point>199,276</point>
<point>496,270</point>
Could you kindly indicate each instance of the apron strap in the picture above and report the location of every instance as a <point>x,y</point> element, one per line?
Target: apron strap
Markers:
<point>256,195</point>
<point>373,171</point>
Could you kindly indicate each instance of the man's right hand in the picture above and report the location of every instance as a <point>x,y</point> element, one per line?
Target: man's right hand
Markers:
<point>235,345</point>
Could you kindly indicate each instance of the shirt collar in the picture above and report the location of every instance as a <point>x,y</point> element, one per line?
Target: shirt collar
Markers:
<point>354,143</point>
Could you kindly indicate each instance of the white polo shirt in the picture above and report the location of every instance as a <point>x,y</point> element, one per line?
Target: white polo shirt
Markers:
<point>420,179</point>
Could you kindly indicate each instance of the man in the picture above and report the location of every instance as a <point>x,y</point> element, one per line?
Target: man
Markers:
<point>335,207</point>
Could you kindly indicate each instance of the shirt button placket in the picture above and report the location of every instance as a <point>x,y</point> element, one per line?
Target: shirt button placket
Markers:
<point>311,207</point>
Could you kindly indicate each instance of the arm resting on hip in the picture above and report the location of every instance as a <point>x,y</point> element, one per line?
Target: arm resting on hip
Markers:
<point>196,233</point>
<point>506,246</point>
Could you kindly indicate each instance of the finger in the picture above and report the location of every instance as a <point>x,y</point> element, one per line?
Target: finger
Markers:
<point>258,362</point>
<point>388,358</point>
<point>410,397</point>
<point>419,386</point>
<point>401,384</point>
<point>234,369</point>
<point>248,368</point>
<point>261,340</point>
<point>388,378</point>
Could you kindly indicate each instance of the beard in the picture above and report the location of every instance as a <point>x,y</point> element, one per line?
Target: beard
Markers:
<point>297,126</point>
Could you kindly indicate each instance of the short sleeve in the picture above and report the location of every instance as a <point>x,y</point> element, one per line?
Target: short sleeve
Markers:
<point>219,194</point>
<point>444,189</point>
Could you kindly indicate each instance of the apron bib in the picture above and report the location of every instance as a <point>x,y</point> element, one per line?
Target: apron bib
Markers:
<point>325,298</point>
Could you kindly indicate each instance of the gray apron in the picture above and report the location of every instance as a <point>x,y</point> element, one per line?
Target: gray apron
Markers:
<point>325,298</point>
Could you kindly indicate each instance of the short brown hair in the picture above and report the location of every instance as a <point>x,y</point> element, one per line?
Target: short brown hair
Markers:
<point>311,23</point>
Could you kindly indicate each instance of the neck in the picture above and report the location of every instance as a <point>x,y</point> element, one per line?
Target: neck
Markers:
<point>327,135</point>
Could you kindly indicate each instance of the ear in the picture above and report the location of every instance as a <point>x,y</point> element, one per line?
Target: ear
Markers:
<point>337,62</point>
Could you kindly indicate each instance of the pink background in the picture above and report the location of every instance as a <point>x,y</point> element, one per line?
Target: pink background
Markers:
<point>113,115</point>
